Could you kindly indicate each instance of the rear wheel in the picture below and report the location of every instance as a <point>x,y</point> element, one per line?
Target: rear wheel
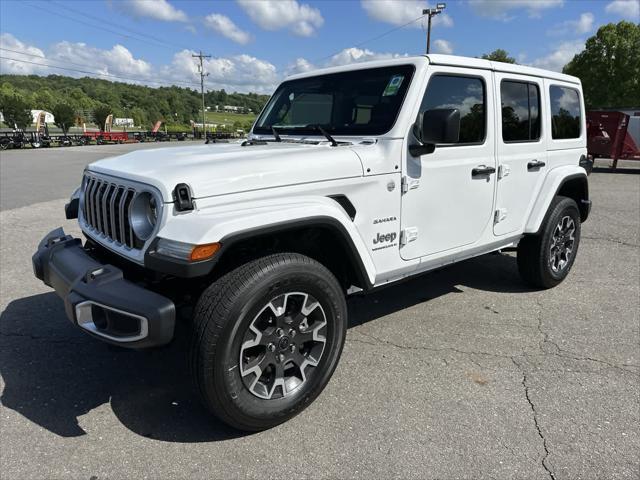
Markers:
<point>267,338</point>
<point>545,259</point>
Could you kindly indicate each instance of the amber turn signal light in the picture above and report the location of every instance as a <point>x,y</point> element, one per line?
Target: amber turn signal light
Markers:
<point>204,252</point>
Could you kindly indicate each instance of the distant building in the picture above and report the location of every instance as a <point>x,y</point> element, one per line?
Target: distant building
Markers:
<point>232,108</point>
<point>123,122</point>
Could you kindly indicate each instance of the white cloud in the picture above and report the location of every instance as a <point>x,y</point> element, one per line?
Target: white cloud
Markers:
<point>442,46</point>
<point>242,73</point>
<point>116,61</point>
<point>499,9</point>
<point>628,9</point>
<point>584,24</point>
<point>400,12</point>
<point>299,65</point>
<point>559,57</point>
<point>10,42</point>
<point>75,56</point>
<point>301,19</point>
<point>156,9</point>
<point>356,55</point>
<point>224,26</point>
<point>344,57</point>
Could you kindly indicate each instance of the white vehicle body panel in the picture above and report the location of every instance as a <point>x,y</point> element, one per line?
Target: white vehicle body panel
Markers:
<point>240,189</point>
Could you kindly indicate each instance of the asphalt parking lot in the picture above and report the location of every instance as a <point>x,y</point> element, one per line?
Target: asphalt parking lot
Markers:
<point>460,373</point>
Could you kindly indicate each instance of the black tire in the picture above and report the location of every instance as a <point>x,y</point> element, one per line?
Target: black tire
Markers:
<point>222,318</point>
<point>536,264</point>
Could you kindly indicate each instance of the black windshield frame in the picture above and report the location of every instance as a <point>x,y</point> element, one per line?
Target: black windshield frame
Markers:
<point>350,85</point>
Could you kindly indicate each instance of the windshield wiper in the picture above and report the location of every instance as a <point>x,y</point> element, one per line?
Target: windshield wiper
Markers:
<point>324,132</point>
<point>276,135</point>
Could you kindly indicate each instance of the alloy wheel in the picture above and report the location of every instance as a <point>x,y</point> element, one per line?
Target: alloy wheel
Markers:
<point>562,244</point>
<point>283,345</point>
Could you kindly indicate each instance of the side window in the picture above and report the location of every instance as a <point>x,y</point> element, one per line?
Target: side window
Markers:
<point>467,94</point>
<point>565,112</point>
<point>520,111</point>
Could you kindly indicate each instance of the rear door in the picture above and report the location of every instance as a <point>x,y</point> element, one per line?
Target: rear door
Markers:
<point>521,149</point>
<point>449,193</point>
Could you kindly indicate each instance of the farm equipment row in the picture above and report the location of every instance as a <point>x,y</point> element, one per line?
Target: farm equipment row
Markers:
<point>20,138</point>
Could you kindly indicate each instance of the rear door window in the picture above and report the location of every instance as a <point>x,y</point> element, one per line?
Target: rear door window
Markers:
<point>520,111</point>
<point>566,116</point>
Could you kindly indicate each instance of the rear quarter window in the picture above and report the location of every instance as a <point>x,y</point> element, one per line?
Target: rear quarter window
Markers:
<point>566,115</point>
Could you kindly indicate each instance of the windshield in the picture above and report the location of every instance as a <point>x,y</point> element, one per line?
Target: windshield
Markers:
<point>358,102</point>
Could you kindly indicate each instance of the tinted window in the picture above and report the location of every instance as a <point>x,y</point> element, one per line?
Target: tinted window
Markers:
<point>359,102</point>
<point>520,111</point>
<point>465,94</point>
<point>565,112</point>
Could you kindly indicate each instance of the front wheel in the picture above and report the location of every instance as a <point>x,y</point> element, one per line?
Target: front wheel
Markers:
<point>267,338</point>
<point>545,259</point>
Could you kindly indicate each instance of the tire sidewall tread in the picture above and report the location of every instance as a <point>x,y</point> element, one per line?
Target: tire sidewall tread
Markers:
<point>218,317</point>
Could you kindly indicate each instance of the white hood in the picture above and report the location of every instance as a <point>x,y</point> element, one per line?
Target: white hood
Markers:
<point>219,169</point>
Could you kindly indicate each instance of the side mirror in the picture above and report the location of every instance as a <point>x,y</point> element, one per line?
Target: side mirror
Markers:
<point>433,127</point>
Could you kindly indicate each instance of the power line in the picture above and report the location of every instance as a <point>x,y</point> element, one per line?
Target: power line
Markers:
<point>377,37</point>
<point>145,80</point>
<point>121,27</point>
<point>45,58</point>
<point>92,25</point>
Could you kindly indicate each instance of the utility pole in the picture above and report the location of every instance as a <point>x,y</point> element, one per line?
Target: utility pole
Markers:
<point>432,12</point>
<point>202,73</point>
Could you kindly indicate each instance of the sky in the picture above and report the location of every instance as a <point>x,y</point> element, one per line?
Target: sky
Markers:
<point>255,44</point>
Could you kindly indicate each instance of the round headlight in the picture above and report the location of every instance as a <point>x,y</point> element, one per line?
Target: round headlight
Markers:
<point>144,215</point>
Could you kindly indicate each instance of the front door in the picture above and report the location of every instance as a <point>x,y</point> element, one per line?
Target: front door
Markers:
<point>449,193</point>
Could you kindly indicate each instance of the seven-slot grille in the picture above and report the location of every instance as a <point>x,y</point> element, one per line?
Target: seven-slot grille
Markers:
<point>106,210</point>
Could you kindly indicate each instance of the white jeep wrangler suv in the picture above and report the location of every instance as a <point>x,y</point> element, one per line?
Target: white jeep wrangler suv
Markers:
<point>352,178</point>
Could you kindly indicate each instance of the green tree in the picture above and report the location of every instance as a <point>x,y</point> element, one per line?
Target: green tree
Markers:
<point>15,111</point>
<point>609,66</point>
<point>64,116</point>
<point>499,55</point>
<point>100,114</point>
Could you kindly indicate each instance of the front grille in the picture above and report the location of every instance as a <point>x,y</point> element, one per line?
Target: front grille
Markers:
<point>106,210</point>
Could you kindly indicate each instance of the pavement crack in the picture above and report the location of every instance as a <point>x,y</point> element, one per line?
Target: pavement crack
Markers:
<point>560,352</point>
<point>535,419</point>
<point>612,240</point>
<point>379,341</point>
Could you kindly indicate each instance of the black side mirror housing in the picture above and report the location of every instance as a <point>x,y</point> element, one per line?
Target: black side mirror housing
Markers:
<point>433,127</point>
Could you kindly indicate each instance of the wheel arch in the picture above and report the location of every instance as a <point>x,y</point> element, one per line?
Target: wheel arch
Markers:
<point>564,181</point>
<point>322,238</point>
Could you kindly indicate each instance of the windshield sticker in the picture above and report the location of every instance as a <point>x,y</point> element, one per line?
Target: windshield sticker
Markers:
<point>393,86</point>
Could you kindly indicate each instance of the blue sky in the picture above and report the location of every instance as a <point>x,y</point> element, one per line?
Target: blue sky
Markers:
<point>256,43</point>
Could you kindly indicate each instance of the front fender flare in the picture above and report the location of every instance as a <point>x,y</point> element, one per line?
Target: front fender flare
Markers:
<point>236,221</point>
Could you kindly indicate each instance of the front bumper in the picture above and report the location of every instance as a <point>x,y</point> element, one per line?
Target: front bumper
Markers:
<point>97,297</point>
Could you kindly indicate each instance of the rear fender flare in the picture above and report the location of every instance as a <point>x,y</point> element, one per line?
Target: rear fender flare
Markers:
<point>553,183</point>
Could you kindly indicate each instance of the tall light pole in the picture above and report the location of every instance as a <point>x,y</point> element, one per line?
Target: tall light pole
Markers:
<point>202,73</point>
<point>432,12</point>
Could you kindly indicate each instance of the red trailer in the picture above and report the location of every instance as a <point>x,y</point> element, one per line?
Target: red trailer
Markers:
<point>613,134</point>
<point>102,137</point>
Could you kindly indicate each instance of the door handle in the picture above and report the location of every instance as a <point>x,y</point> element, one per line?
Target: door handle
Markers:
<point>535,164</point>
<point>481,170</point>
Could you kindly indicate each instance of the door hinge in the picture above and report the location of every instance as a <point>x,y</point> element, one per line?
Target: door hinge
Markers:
<point>408,235</point>
<point>503,171</point>
<point>500,215</point>
<point>409,184</point>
